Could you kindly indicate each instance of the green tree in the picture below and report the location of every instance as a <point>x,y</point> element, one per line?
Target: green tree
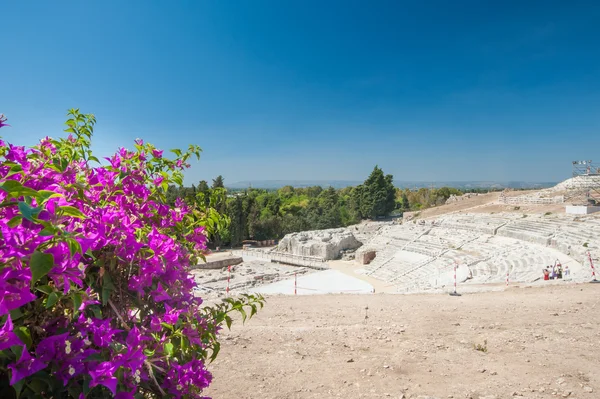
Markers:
<point>236,215</point>
<point>203,186</point>
<point>405,203</point>
<point>376,197</point>
<point>218,182</point>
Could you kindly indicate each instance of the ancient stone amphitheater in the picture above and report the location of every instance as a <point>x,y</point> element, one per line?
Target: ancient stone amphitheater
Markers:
<point>420,256</point>
<point>488,240</point>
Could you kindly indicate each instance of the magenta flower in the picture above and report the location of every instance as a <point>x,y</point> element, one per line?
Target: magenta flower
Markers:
<point>104,374</point>
<point>159,294</point>
<point>102,332</point>
<point>171,315</point>
<point>7,337</point>
<point>51,347</point>
<point>3,120</point>
<point>25,367</point>
<point>158,180</point>
<point>126,395</point>
<point>14,289</point>
<point>107,229</point>
<point>157,153</point>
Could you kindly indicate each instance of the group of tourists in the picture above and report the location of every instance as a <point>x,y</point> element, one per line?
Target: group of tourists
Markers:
<point>556,272</point>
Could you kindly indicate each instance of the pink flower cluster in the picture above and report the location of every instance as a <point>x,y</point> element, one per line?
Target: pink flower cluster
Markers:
<point>95,288</point>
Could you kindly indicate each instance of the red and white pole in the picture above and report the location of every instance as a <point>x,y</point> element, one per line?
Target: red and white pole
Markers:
<point>455,279</point>
<point>455,293</point>
<point>295,283</point>
<point>592,266</point>
<point>228,278</point>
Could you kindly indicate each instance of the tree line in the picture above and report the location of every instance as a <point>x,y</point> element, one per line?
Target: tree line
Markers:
<point>260,214</point>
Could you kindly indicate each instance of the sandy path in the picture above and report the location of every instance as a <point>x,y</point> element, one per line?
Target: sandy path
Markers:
<point>350,268</point>
<point>541,342</point>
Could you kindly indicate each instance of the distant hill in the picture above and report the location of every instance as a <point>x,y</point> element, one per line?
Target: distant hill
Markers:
<point>275,184</point>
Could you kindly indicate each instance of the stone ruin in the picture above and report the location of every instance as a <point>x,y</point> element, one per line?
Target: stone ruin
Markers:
<point>326,244</point>
<point>457,198</point>
<point>364,257</point>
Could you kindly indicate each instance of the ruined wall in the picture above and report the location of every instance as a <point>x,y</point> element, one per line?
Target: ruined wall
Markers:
<point>364,257</point>
<point>218,263</point>
<point>326,244</point>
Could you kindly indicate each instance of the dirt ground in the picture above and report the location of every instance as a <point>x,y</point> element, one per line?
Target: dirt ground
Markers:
<point>540,343</point>
<point>463,205</point>
<point>489,204</point>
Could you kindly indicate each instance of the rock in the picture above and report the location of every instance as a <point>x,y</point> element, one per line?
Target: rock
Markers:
<point>326,244</point>
<point>350,361</point>
<point>588,389</point>
<point>366,256</point>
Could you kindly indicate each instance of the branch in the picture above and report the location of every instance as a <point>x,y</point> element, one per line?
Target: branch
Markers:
<point>151,373</point>
<point>146,362</point>
<point>114,308</point>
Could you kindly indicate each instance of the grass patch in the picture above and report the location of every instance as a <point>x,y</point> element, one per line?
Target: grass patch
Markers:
<point>481,348</point>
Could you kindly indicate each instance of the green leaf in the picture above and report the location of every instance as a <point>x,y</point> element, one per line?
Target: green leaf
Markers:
<point>96,310</point>
<point>216,349</point>
<point>44,195</point>
<point>38,386</point>
<point>176,151</point>
<point>29,212</point>
<point>86,386</point>
<point>24,335</point>
<point>148,352</point>
<point>228,321</point>
<point>169,349</point>
<point>40,264</point>
<point>16,314</point>
<point>15,221</point>
<point>72,211</point>
<point>52,299</point>
<point>243,313</point>
<point>10,186</point>
<point>77,301</point>
<point>177,179</point>
<point>46,289</point>
<point>48,231</point>
<point>74,246</point>
<point>18,387</point>
<point>17,350</point>
<point>14,170</point>
<point>107,287</point>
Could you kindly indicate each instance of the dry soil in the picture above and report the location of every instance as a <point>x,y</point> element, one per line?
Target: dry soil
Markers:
<point>535,343</point>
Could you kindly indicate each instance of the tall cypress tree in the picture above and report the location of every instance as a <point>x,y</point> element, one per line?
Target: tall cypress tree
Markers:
<point>376,197</point>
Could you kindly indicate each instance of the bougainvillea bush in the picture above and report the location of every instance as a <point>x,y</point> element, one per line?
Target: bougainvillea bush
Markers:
<point>96,298</point>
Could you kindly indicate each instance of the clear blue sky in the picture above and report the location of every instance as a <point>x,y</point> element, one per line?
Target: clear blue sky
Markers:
<point>429,90</point>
